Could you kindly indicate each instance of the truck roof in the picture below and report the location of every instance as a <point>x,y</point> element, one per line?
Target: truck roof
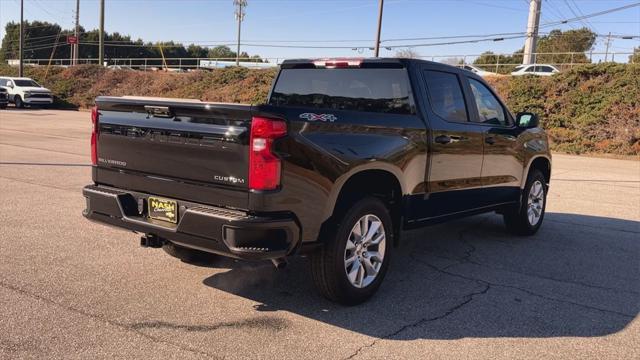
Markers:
<point>356,62</point>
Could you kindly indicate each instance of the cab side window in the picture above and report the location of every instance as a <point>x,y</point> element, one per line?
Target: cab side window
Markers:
<point>490,111</point>
<point>445,93</point>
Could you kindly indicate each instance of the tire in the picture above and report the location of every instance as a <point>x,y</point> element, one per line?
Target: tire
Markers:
<point>332,263</point>
<point>18,101</point>
<point>527,218</point>
<point>3,106</point>
<point>187,255</point>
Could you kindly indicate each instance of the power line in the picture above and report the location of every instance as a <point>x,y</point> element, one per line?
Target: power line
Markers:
<point>36,48</point>
<point>558,12</point>
<point>580,13</point>
<point>453,37</point>
<point>604,12</point>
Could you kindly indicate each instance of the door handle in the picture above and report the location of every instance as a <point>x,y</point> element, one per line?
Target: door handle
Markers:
<point>446,139</point>
<point>490,140</point>
<point>443,139</point>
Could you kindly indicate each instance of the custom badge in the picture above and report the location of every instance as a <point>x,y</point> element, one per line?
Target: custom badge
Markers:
<point>318,117</point>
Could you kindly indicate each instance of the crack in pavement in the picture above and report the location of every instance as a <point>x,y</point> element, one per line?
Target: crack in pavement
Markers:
<point>444,271</point>
<point>604,228</point>
<point>532,275</point>
<point>466,258</point>
<point>562,281</point>
<point>467,299</point>
<point>106,321</point>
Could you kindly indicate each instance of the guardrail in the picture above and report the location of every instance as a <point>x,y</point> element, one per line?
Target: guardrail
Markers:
<point>562,61</point>
<point>158,63</point>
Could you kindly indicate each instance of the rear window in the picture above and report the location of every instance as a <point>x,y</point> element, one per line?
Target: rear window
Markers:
<point>445,93</point>
<point>370,90</point>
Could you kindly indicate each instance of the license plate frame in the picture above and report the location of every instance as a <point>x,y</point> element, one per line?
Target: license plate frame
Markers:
<point>162,209</point>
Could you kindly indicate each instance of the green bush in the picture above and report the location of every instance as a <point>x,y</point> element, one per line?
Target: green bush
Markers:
<point>592,108</point>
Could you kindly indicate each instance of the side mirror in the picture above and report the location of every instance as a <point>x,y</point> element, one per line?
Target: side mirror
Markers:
<point>527,120</point>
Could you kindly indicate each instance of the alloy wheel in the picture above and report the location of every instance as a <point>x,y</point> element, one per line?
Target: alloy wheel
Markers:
<point>535,203</point>
<point>364,251</point>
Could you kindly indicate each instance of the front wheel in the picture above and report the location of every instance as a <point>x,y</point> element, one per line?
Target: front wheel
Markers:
<point>18,101</point>
<point>527,218</point>
<point>354,259</point>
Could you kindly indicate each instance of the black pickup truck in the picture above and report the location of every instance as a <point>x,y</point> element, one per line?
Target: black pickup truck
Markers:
<point>345,154</point>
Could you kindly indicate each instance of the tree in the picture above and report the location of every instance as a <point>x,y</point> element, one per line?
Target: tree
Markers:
<point>557,44</point>
<point>503,64</point>
<point>40,40</point>
<point>407,53</point>
<point>222,52</point>
<point>453,61</point>
<point>197,51</point>
<point>635,57</point>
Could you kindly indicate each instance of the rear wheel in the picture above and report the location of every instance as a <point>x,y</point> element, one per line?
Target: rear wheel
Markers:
<point>527,218</point>
<point>354,259</point>
<point>188,255</point>
<point>18,101</point>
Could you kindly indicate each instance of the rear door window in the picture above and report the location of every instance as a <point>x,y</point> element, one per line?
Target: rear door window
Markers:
<point>445,93</point>
<point>370,90</point>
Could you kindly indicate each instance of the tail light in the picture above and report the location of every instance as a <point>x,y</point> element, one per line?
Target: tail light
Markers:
<point>264,165</point>
<point>95,118</point>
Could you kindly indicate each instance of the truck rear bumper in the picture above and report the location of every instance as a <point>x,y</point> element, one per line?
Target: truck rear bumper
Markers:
<point>227,232</point>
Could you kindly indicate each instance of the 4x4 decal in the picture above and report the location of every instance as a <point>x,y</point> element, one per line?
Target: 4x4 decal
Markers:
<point>318,117</point>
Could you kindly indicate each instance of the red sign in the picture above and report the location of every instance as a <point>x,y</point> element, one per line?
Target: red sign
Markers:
<point>72,39</point>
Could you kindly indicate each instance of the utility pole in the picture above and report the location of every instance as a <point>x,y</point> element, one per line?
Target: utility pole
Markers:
<point>532,32</point>
<point>606,52</point>
<point>377,47</point>
<point>241,4</point>
<point>101,35</point>
<point>21,42</point>
<point>76,46</point>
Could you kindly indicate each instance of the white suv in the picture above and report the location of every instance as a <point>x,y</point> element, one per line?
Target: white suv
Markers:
<point>535,69</point>
<point>25,91</point>
<point>477,70</point>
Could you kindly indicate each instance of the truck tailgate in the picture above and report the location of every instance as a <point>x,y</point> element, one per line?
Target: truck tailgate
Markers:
<point>183,149</point>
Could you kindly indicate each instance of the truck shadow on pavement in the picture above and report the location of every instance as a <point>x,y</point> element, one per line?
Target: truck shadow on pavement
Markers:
<point>577,277</point>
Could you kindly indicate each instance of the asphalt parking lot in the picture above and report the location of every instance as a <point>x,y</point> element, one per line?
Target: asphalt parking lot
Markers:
<point>467,289</point>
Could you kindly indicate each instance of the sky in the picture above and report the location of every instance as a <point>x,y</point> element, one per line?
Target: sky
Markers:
<point>339,23</point>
